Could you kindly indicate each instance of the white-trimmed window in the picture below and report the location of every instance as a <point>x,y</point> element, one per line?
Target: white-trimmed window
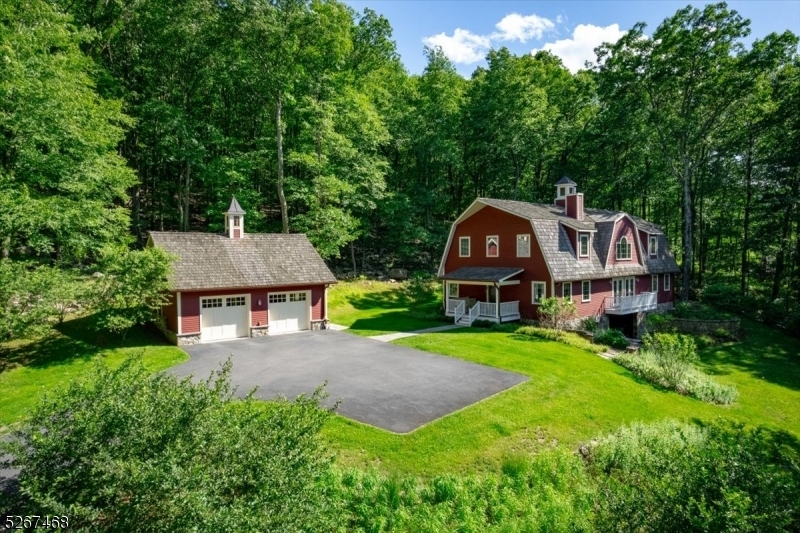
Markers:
<point>562,191</point>
<point>524,245</point>
<point>586,290</point>
<point>492,246</point>
<point>667,282</point>
<point>209,303</point>
<point>235,301</point>
<point>539,292</point>
<point>653,244</point>
<point>277,298</point>
<point>297,297</point>
<point>623,249</point>
<point>583,244</point>
<point>654,283</point>
<point>566,290</point>
<point>463,247</point>
<point>452,290</point>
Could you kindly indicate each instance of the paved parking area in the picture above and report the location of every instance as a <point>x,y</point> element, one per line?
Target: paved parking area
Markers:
<point>391,387</point>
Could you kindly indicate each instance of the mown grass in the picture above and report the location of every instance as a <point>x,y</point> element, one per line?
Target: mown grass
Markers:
<point>30,369</point>
<point>572,396</point>
<point>370,308</point>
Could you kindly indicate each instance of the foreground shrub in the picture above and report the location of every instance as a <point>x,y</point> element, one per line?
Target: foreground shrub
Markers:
<point>692,382</point>
<point>566,337</point>
<point>132,452</point>
<point>677,477</point>
<point>612,337</point>
<point>547,492</point>
<point>555,313</point>
<point>673,353</point>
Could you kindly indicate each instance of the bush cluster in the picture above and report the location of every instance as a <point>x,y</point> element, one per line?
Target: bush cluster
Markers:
<point>566,337</point>
<point>666,360</point>
<point>780,313</point>
<point>611,337</point>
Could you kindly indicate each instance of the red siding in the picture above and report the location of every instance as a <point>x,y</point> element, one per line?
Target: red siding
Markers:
<point>492,221</point>
<point>623,228</point>
<point>599,290</point>
<point>190,304</point>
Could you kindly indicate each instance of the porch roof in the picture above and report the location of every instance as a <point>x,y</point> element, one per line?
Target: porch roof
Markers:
<point>487,274</point>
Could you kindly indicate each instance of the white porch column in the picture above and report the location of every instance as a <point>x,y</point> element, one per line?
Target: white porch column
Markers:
<point>497,301</point>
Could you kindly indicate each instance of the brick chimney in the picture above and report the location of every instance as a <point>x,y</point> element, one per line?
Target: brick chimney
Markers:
<point>574,206</point>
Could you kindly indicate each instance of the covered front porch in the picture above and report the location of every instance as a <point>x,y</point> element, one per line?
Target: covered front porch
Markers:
<point>476,293</point>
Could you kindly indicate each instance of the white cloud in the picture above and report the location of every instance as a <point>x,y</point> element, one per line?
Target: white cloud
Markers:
<point>516,27</point>
<point>576,51</point>
<point>463,47</point>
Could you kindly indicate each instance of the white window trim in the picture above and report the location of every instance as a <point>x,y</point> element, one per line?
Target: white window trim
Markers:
<point>469,246</point>
<point>497,241</point>
<point>564,286</point>
<point>589,299</point>
<point>533,291</point>
<point>450,293</point>
<point>528,235</point>
<point>628,247</point>
<point>654,283</point>
<point>667,282</point>
<point>588,242</point>
<point>652,250</point>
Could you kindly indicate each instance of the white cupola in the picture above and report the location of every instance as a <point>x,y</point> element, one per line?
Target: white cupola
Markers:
<point>234,220</point>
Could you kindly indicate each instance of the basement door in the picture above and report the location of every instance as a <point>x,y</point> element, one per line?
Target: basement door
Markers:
<point>289,311</point>
<point>223,317</point>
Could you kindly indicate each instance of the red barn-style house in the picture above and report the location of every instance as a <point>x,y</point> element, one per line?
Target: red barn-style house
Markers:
<point>504,257</point>
<point>242,284</point>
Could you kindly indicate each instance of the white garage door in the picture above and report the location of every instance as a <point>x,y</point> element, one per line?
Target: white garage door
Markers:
<point>223,317</point>
<point>289,311</point>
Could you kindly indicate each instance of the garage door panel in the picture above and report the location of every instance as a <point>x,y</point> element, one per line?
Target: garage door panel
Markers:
<point>289,311</point>
<point>223,317</point>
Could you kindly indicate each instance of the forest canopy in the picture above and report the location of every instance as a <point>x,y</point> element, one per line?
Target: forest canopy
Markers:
<point>117,118</point>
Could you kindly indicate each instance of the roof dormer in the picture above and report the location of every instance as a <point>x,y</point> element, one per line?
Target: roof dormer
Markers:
<point>234,220</point>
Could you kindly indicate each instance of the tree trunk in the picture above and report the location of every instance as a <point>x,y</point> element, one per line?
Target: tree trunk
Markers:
<point>353,257</point>
<point>279,142</point>
<point>746,230</point>
<point>688,257</point>
<point>186,188</point>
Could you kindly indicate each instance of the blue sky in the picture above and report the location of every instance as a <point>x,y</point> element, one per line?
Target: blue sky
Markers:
<point>570,29</point>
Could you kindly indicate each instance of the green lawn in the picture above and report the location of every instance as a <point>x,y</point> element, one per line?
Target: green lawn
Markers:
<point>30,369</point>
<point>375,308</point>
<point>572,396</point>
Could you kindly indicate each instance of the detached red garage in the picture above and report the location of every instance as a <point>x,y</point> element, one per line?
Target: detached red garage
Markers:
<point>242,285</point>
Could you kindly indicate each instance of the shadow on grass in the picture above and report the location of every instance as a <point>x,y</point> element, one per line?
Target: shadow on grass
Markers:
<point>395,321</point>
<point>765,353</point>
<point>76,339</point>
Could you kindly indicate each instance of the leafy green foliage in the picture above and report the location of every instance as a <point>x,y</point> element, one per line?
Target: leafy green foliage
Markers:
<point>62,181</point>
<point>555,313</point>
<point>677,477</point>
<point>611,337</point>
<point>673,353</point>
<point>567,337</point>
<point>127,451</point>
<point>132,288</point>
<point>33,297</point>
<point>422,289</point>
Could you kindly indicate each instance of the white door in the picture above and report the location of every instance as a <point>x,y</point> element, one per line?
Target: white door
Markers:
<point>223,317</point>
<point>289,311</point>
<point>622,287</point>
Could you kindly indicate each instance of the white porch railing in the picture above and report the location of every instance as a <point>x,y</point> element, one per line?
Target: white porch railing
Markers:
<point>473,313</point>
<point>458,312</point>
<point>487,309</point>
<point>623,305</point>
<point>452,303</point>
<point>509,309</point>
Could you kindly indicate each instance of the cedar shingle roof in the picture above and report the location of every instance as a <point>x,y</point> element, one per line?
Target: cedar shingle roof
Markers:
<point>235,208</point>
<point>565,181</point>
<point>549,222</point>
<point>212,261</point>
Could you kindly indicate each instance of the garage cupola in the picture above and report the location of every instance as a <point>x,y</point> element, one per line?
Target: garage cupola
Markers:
<point>234,220</point>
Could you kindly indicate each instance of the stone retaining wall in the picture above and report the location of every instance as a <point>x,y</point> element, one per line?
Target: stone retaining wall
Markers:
<point>694,326</point>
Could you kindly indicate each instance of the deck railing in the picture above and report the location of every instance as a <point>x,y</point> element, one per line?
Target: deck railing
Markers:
<point>452,303</point>
<point>509,308</point>
<point>623,305</point>
<point>473,313</point>
<point>487,309</point>
<point>459,310</point>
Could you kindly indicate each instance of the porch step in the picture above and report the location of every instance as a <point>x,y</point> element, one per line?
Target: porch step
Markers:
<point>463,320</point>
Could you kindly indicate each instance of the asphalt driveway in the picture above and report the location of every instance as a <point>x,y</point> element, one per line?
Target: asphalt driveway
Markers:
<point>388,386</point>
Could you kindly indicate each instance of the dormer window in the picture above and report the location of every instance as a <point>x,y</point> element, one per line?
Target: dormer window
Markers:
<point>583,245</point>
<point>653,245</point>
<point>492,246</point>
<point>623,249</point>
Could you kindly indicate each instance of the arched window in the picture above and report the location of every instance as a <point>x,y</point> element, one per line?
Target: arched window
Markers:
<point>492,246</point>
<point>623,249</point>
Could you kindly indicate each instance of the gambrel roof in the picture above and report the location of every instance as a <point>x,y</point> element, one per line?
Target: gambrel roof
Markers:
<point>213,261</point>
<point>550,223</point>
